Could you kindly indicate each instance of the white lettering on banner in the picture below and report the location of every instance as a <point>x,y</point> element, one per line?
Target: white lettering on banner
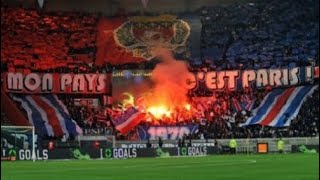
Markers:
<point>275,77</point>
<point>32,82</point>
<point>285,77</point>
<point>248,77</point>
<point>78,83</point>
<point>261,77</point>
<point>221,81</point>
<point>308,73</point>
<point>294,78</point>
<point>191,80</point>
<point>90,78</point>
<point>166,133</point>
<point>182,131</point>
<point>213,80</point>
<point>27,154</point>
<point>173,132</point>
<point>65,81</point>
<point>232,79</point>
<point>162,132</point>
<point>124,153</point>
<point>45,154</point>
<point>193,151</point>
<point>56,83</point>
<point>94,131</point>
<point>101,84</point>
<point>47,82</point>
<point>15,81</point>
<point>197,151</point>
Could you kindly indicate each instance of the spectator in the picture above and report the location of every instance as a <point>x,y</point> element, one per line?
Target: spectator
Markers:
<point>160,142</point>
<point>233,145</point>
<point>149,144</point>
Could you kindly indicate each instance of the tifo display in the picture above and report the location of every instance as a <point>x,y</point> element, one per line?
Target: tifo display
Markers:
<point>160,89</point>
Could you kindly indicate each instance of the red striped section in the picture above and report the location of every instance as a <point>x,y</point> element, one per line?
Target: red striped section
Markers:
<point>242,99</point>
<point>249,105</point>
<point>53,119</point>
<point>282,100</point>
<point>316,72</point>
<point>236,104</point>
<point>133,123</point>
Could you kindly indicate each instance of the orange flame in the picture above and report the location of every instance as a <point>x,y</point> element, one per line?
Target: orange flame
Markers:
<point>167,96</point>
<point>188,107</point>
<point>159,111</point>
<point>169,92</point>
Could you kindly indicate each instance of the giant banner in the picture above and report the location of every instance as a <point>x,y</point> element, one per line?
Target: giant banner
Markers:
<point>130,84</point>
<point>56,83</point>
<point>131,40</point>
<point>165,132</point>
<point>259,78</point>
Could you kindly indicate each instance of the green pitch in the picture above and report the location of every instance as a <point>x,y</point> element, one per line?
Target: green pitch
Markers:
<point>238,167</point>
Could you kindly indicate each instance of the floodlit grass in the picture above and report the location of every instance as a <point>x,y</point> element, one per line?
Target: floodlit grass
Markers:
<point>222,167</point>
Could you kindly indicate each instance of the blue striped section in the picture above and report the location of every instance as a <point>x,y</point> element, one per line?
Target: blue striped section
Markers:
<point>37,120</point>
<point>293,106</point>
<point>70,125</point>
<point>302,75</point>
<point>263,109</point>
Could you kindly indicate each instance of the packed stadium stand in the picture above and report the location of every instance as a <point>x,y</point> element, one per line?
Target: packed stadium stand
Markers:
<point>160,89</point>
<point>31,36</point>
<point>263,34</point>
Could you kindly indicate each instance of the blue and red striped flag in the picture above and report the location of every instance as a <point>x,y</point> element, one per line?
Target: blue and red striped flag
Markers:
<point>48,115</point>
<point>127,121</point>
<point>247,102</point>
<point>280,106</point>
<point>237,106</point>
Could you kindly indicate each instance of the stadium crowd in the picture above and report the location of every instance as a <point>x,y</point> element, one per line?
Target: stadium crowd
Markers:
<point>36,40</point>
<point>263,34</point>
<point>300,127</point>
<point>224,123</point>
